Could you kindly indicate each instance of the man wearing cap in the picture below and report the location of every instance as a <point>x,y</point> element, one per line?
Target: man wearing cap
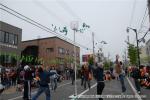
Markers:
<point>27,83</point>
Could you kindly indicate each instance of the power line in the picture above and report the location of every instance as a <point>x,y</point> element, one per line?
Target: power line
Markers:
<point>132,13</point>
<point>39,4</point>
<point>26,17</point>
<point>143,19</point>
<point>37,24</point>
<point>68,9</point>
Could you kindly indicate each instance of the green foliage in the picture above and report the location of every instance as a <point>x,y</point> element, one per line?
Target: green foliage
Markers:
<point>106,65</point>
<point>90,61</point>
<point>132,54</point>
<point>111,63</point>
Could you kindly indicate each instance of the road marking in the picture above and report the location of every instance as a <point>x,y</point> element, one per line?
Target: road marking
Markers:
<point>134,90</point>
<point>64,84</point>
<point>72,97</point>
<point>35,91</point>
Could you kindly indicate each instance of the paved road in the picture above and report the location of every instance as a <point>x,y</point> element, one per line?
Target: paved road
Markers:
<point>65,90</point>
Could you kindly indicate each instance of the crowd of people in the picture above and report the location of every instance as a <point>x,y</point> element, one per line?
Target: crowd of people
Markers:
<point>9,77</point>
<point>145,76</point>
<point>27,77</point>
<point>142,74</point>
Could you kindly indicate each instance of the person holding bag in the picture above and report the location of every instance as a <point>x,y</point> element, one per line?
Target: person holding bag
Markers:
<point>90,76</point>
<point>86,77</point>
<point>120,72</point>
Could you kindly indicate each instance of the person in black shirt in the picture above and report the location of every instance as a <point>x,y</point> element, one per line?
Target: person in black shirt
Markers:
<point>82,75</point>
<point>136,76</point>
<point>72,74</point>
<point>100,79</point>
<point>27,83</point>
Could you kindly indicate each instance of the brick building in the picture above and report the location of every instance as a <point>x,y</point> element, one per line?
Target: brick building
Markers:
<point>51,51</point>
<point>10,41</point>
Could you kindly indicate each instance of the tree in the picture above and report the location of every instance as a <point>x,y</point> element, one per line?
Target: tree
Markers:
<point>91,61</point>
<point>132,54</point>
<point>106,65</point>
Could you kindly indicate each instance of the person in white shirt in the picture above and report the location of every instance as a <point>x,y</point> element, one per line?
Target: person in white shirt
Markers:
<point>53,79</point>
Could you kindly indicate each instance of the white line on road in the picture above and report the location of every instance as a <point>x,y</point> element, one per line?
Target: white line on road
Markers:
<point>137,95</point>
<point>15,98</point>
<point>35,91</point>
<point>79,95</point>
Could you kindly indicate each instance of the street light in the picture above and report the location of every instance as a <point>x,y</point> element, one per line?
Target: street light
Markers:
<point>102,42</point>
<point>100,51</point>
<point>137,42</point>
<point>74,26</point>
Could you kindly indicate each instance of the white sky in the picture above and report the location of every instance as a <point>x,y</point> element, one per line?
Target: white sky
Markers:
<point>108,20</point>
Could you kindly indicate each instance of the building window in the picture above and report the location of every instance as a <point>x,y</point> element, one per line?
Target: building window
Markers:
<point>77,54</point>
<point>6,37</point>
<point>49,50</point>
<point>67,52</point>
<point>72,53</point>
<point>11,39</point>
<point>2,35</point>
<point>15,39</point>
<point>61,50</point>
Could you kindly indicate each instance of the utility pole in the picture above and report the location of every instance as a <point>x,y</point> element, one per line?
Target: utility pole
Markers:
<point>108,59</point>
<point>74,27</point>
<point>75,62</point>
<point>137,42</point>
<point>125,53</point>
<point>38,44</point>
<point>93,47</point>
<point>148,4</point>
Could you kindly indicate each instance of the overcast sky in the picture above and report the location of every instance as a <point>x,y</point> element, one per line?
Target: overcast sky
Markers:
<point>108,19</point>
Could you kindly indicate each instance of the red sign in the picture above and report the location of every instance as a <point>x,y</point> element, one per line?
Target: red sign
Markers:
<point>86,57</point>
